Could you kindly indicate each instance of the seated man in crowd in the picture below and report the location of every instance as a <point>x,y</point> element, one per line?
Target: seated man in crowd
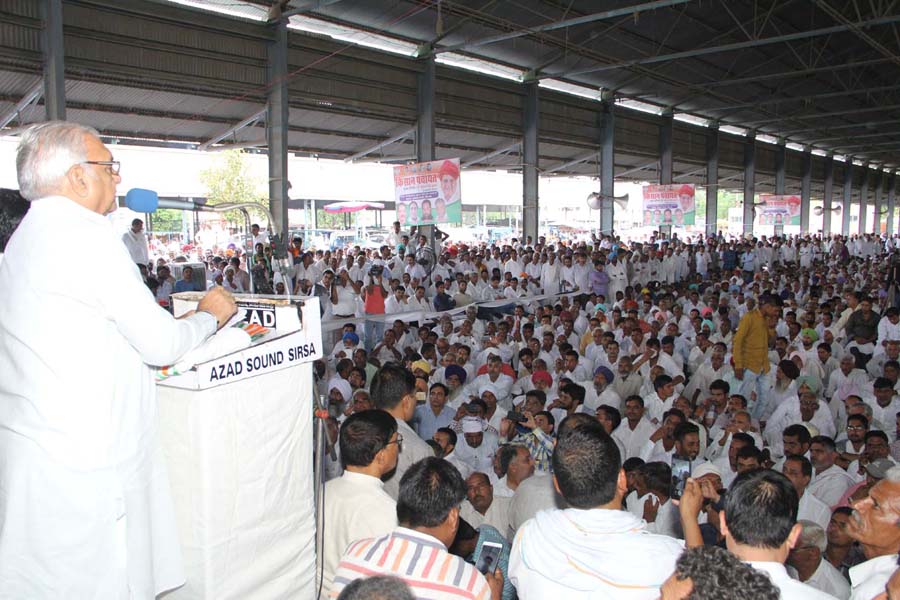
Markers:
<point>594,548</point>
<point>431,491</point>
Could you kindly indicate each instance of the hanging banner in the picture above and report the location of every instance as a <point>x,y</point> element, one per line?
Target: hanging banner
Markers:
<point>428,193</point>
<point>778,210</point>
<point>669,205</point>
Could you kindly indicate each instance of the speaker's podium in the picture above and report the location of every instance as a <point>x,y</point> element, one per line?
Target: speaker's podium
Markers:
<point>237,432</point>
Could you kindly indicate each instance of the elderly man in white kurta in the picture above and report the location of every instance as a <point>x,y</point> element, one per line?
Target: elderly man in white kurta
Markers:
<point>85,505</point>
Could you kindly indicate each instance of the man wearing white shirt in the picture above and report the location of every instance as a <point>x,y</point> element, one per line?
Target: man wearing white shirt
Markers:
<point>593,549</point>
<point>830,481</point>
<point>80,455</point>
<point>478,446</point>
<point>258,236</point>
<point>874,526</point>
<point>635,429</point>
<point>799,470</point>
<point>807,558</point>
<point>356,505</point>
<point>482,506</point>
<point>136,242</point>
<point>759,524</point>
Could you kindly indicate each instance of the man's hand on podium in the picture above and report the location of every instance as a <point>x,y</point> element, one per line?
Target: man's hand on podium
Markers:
<point>219,303</point>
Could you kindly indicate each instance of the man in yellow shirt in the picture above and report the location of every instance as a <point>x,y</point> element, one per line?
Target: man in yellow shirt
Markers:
<point>751,350</point>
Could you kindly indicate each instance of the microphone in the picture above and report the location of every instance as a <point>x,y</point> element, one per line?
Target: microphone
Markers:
<point>147,201</point>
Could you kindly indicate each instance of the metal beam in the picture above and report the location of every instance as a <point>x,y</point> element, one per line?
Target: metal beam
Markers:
<point>251,120</point>
<point>530,159</point>
<point>299,7</point>
<point>277,130</point>
<point>601,16</point>
<point>749,183</point>
<point>803,117</point>
<point>54,61</point>
<point>383,144</point>
<point>690,173</point>
<point>847,196</point>
<point>805,191</point>
<point>851,92</point>
<point>790,37</point>
<point>827,194</point>
<point>30,96</point>
<point>712,179</point>
<point>666,123</point>
<point>607,117</point>
<point>791,74</point>
<point>655,163</point>
<point>492,154</point>
<point>575,161</point>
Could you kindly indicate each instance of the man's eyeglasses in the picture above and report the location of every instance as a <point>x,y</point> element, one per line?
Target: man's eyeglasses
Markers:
<point>112,166</point>
<point>398,441</point>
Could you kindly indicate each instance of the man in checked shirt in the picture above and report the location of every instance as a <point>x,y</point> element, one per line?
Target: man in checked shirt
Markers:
<point>416,552</point>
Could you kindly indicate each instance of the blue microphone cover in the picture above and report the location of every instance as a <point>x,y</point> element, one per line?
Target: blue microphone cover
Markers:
<point>141,200</point>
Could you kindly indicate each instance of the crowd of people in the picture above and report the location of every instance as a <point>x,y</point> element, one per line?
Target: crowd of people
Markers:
<point>675,418</point>
<point>622,419</point>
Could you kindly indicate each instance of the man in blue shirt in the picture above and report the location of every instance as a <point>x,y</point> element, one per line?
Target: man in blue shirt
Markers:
<point>430,417</point>
<point>186,283</point>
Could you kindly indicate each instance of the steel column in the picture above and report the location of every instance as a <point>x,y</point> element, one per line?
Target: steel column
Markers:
<point>780,153</point>
<point>54,61</point>
<point>892,183</point>
<point>864,198</point>
<point>749,182</point>
<point>848,196</point>
<point>665,147</point>
<point>805,191</point>
<point>425,138</point>
<point>607,164</point>
<point>828,193</point>
<point>712,179</point>
<point>879,203</point>
<point>277,129</point>
<point>530,157</point>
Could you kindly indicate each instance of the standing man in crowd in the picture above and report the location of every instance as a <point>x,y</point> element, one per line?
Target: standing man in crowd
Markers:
<point>136,241</point>
<point>751,350</point>
<point>85,505</point>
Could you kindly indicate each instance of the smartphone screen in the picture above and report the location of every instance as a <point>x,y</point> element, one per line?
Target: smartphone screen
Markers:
<point>489,558</point>
<point>681,470</point>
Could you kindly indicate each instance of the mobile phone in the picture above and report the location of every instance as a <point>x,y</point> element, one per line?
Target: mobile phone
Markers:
<point>681,470</point>
<point>489,557</point>
<point>516,416</point>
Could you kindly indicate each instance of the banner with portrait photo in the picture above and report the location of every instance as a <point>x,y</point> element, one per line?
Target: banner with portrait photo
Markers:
<point>778,210</point>
<point>428,193</point>
<point>669,205</point>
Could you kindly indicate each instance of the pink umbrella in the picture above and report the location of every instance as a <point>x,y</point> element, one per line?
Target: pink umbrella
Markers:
<point>349,207</point>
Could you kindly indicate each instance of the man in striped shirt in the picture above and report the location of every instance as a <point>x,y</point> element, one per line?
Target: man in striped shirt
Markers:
<point>431,491</point>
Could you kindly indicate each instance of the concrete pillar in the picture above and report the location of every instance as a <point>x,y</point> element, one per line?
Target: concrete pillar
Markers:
<point>864,197</point>
<point>891,188</point>
<point>879,202</point>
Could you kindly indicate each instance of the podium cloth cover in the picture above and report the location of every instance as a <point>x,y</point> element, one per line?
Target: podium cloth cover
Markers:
<point>240,464</point>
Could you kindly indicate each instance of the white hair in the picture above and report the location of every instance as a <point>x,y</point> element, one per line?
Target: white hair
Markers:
<point>893,474</point>
<point>812,535</point>
<point>45,154</point>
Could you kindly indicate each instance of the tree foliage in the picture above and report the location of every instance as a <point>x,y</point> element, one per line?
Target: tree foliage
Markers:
<point>229,180</point>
